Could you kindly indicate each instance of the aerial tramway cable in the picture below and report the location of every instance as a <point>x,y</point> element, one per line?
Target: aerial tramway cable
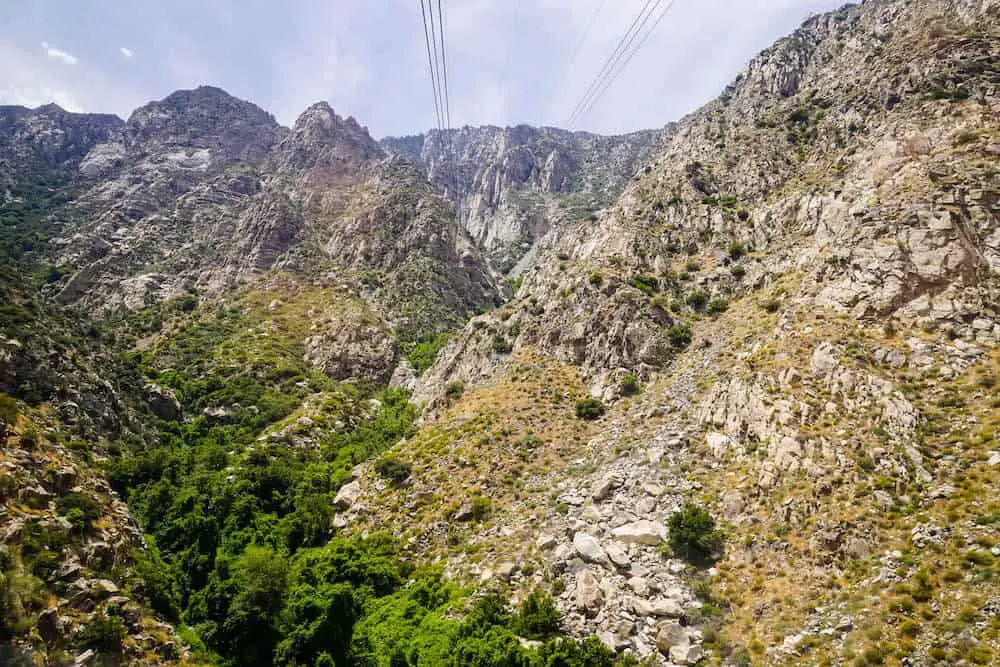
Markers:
<point>444,69</point>
<point>623,64</point>
<point>431,65</point>
<point>614,58</point>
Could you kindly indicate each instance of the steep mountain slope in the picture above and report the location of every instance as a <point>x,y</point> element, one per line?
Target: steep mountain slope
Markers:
<point>203,192</point>
<point>511,186</point>
<point>745,415</point>
<point>204,310</point>
<point>803,288</point>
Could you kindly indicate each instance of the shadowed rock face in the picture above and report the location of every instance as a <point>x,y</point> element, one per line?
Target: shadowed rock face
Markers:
<point>202,191</point>
<point>511,186</point>
<point>865,174</point>
<point>47,139</point>
<point>786,304</point>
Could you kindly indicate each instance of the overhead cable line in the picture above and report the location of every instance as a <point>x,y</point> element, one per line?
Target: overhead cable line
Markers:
<point>610,80</point>
<point>444,69</point>
<point>615,57</point>
<point>437,62</point>
<point>583,36</point>
<point>431,65</point>
<point>618,56</point>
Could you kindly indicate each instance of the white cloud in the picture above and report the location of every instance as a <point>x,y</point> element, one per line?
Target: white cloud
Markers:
<point>508,62</point>
<point>32,79</point>
<point>36,96</point>
<point>58,54</point>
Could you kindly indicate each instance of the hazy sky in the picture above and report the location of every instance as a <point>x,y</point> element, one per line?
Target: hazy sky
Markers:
<point>511,61</point>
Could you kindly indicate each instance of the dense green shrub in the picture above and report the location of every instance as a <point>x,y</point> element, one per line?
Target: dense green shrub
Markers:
<point>697,299</point>
<point>186,303</point>
<point>589,408</point>
<point>538,617</point>
<point>596,278</point>
<point>8,486</point>
<point>737,250</point>
<point>394,470</point>
<point>103,634</point>
<point>454,390</point>
<point>501,345</point>
<point>693,535</point>
<point>630,384</point>
<point>647,284</point>
<point>155,584</point>
<point>421,354</point>
<point>771,305</point>
<point>8,413</point>
<point>679,336</point>
<point>481,508</point>
<point>80,510</point>
<point>717,306</point>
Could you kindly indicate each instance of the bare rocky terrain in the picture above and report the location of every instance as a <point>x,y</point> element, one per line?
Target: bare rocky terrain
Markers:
<point>781,310</point>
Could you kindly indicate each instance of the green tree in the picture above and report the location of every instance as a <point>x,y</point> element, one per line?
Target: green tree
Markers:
<point>589,408</point>
<point>693,535</point>
<point>538,617</point>
<point>249,628</point>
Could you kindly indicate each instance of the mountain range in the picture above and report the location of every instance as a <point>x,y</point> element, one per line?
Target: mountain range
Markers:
<point>722,392</point>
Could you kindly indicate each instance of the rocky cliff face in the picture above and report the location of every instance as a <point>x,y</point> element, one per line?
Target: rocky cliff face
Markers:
<point>511,186</point>
<point>783,308</point>
<point>48,137</point>
<point>202,192</point>
<point>801,288</point>
<point>798,168</point>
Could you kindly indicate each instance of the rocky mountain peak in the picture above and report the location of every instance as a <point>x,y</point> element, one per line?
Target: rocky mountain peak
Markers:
<point>51,137</point>
<point>511,185</point>
<point>323,142</point>
<point>205,118</point>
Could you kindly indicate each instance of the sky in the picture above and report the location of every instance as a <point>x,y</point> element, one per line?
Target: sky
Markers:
<point>510,61</point>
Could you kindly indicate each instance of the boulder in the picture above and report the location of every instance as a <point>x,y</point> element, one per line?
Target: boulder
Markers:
<point>687,654</point>
<point>618,555</point>
<point>824,359</point>
<point>99,555</point>
<point>733,504</point>
<point>604,487</point>
<point>347,496</point>
<point>589,594</point>
<point>64,478</point>
<point>669,635</point>
<point>49,625</point>
<point>85,658</point>
<point>639,586</point>
<point>506,570</point>
<point>589,549</point>
<point>464,512</point>
<point>643,531</point>
<point>718,444</point>
<point>667,607</point>
<point>545,541</point>
<point>162,402</point>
